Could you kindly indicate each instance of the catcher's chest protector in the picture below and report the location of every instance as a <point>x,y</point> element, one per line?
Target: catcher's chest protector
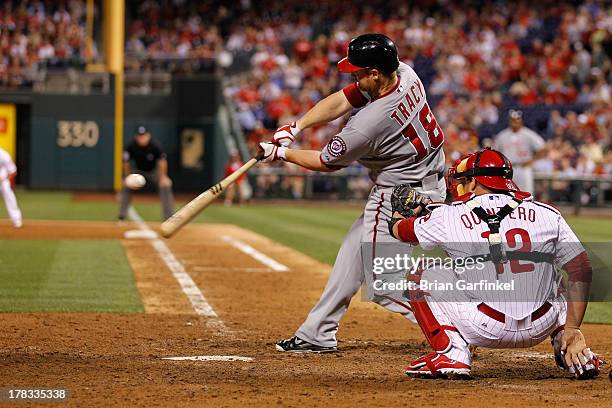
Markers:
<point>493,221</point>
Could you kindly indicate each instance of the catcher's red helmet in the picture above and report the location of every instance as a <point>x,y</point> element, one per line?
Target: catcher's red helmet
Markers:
<point>489,167</point>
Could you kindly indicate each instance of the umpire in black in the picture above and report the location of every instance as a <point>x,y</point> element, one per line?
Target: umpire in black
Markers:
<point>150,161</point>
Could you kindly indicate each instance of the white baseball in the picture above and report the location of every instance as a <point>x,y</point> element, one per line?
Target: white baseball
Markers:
<point>135,181</point>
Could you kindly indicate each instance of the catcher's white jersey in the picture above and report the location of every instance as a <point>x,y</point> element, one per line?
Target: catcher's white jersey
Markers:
<point>520,146</point>
<point>533,226</point>
<point>396,136</point>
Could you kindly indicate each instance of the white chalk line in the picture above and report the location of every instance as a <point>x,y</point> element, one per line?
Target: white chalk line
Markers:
<point>139,234</point>
<point>255,254</point>
<point>190,289</point>
<point>209,358</point>
<point>229,269</point>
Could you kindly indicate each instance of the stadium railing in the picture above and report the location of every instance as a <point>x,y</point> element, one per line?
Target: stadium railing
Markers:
<point>353,183</point>
<point>579,191</point>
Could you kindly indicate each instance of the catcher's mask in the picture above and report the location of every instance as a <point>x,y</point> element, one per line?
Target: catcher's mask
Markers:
<point>489,167</point>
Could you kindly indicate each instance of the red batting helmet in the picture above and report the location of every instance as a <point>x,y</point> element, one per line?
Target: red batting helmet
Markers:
<point>489,167</point>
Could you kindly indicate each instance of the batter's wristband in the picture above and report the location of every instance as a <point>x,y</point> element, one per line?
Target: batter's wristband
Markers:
<point>295,129</point>
<point>281,153</point>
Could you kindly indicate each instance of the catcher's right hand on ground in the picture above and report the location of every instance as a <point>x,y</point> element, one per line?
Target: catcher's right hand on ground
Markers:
<point>578,358</point>
<point>285,135</point>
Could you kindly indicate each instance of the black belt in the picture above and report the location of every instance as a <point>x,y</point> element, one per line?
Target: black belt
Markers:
<point>420,183</point>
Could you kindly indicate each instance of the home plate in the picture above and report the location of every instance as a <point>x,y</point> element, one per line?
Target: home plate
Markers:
<point>209,358</point>
<point>140,234</point>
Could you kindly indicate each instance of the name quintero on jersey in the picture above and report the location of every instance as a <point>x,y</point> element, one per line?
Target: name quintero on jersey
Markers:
<point>411,264</point>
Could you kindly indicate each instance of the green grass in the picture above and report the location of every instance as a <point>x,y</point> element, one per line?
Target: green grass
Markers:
<point>60,206</point>
<point>599,312</point>
<point>316,230</point>
<point>66,276</point>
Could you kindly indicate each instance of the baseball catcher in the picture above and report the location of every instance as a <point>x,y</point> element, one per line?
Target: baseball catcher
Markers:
<point>511,297</point>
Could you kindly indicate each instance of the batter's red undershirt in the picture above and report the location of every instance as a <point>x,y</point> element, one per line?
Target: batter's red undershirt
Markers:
<point>354,95</point>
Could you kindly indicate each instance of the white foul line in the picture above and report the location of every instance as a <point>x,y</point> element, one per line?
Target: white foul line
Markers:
<point>228,269</point>
<point>249,250</point>
<point>190,289</point>
<point>209,358</point>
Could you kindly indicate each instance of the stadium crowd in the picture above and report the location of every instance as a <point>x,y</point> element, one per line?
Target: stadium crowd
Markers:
<point>478,59</point>
<point>550,59</point>
<point>476,64</point>
<point>37,34</point>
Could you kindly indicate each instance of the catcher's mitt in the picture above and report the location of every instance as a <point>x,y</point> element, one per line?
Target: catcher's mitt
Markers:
<point>405,199</point>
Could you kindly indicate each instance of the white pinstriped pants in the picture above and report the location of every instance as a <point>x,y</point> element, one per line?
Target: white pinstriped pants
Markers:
<point>478,329</point>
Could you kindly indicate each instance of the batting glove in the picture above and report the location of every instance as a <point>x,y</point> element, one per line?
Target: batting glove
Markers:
<point>272,152</point>
<point>285,135</point>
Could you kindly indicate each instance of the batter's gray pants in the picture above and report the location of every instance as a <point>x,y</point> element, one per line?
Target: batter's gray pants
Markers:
<point>348,272</point>
<point>165,195</point>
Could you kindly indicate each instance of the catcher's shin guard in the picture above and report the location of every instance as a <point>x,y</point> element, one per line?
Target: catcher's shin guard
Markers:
<point>434,332</point>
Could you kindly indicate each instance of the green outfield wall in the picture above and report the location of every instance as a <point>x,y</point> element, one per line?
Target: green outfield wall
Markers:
<point>66,141</point>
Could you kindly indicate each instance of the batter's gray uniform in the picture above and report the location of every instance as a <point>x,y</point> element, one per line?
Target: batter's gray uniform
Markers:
<point>520,147</point>
<point>397,138</point>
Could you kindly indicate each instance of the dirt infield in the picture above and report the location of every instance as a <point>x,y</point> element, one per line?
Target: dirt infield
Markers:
<point>40,229</point>
<point>115,359</point>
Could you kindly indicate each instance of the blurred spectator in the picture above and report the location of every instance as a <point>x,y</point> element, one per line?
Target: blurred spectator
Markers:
<point>237,189</point>
<point>40,34</point>
<point>522,146</point>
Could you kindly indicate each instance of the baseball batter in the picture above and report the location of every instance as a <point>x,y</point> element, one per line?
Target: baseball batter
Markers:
<point>8,171</point>
<point>522,146</point>
<point>395,135</point>
<point>518,241</point>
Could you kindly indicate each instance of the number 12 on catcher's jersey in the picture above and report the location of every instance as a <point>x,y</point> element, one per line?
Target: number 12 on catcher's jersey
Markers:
<point>433,130</point>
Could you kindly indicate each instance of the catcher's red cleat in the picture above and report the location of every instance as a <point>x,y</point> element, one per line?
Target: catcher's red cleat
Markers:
<point>434,365</point>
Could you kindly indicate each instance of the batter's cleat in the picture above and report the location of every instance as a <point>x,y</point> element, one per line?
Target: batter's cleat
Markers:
<point>434,365</point>
<point>297,345</point>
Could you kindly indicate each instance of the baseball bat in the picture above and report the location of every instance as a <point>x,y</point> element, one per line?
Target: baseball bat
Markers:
<point>198,204</point>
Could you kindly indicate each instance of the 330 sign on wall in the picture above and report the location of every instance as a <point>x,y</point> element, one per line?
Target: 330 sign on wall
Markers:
<point>77,133</point>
